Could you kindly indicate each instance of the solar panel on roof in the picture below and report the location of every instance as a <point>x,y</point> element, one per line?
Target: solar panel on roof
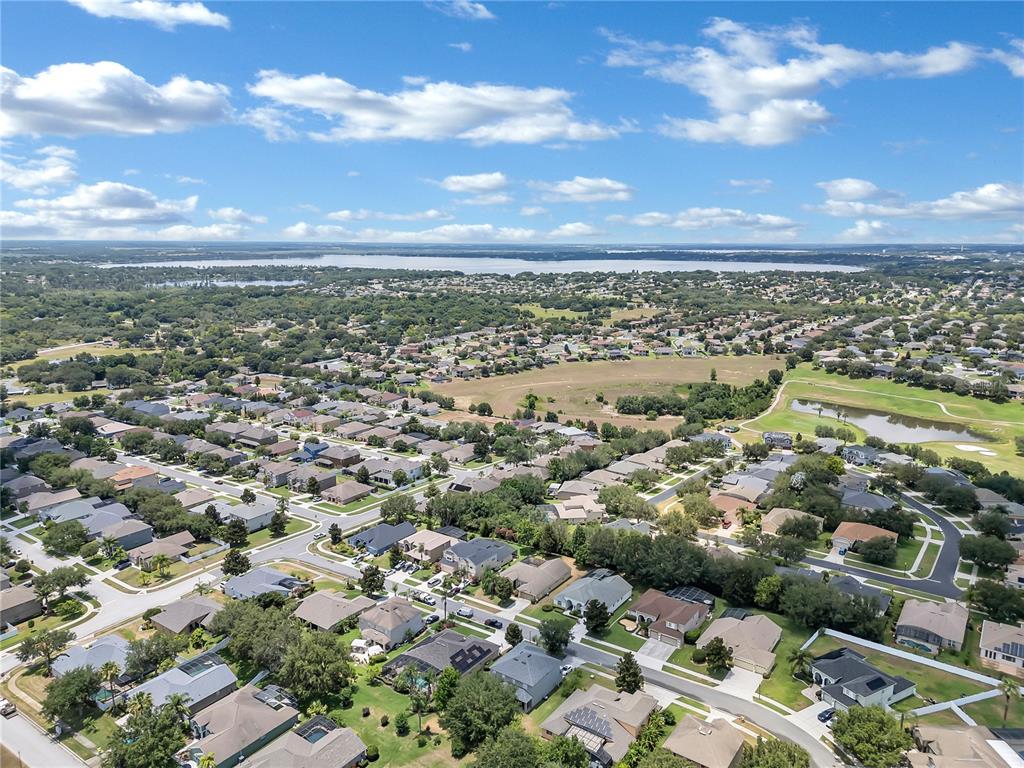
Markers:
<point>589,720</point>
<point>691,594</point>
<point>735,613</point>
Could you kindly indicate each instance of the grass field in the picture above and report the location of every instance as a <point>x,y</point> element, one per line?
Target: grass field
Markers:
<point>45,398</point>
<point>97,350</point>
<point>549,313</point>
<point>1000,421</point>
<point>572,387</point>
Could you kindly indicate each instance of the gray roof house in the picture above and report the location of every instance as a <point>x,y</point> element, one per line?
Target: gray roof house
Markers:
<point>535,580</point>
<point>261,580</point>
<point>389,623</point>
<point>326,609</point>
<point>185,615</point>
<point>382,537</point>
<point>109,648</point>
<point>18,604</point>
<point>204,679</point>
<point>255,516</point>
<point>447,648</point>
<point>317,743</point>
<point>532,672</point>
<point>476,556</point>
<point>605,722</point>
<point>602,585</point>
<point>240,724</point>
<point>848,680</point>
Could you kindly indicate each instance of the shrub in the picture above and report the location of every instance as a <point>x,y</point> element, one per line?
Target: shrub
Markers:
<point>366,711</point>
<point>547,608</point>
<point>372,753</point>
<point>421,741</point>
<point>669,717</point>
<point>384,720</point>
<point>692,636</point>
<point>402,724</point>
<point>699,656</point>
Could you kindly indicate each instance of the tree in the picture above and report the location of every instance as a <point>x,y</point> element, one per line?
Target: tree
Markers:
<point>58,581</point>
<point>513,634</point>
<point>68,696</point>
<point>881,550</point>
<point>46,645</point>
<point>987,551</point>
<point>316,666</point>
<point>65,538</point>
<point>109,672</point>
<point>207,760</point>
<point>149,653</point>
<point>445,687</point>
<point>1000,602</point>
<point>719,656</point>
<point>398,509</point>
<point>160,563</point>
<point>335,533</point>
<point>800,661</point>
<point>236,534</point>
<point>312,487</point>
<point>567,753</point>
<point>789,548</point>
<point>768,591</point>
<point>372,580</point>
<point>278,524</point>
<point>1010,689</point>
<point>596,617</point>
<point>248,496</point>
<point>662,758</point>
<point>871,735</point>
<point>150,737</point>
<point>484,409</point>
<point>628,675</point>
<point>993,523</point>
<point>511,748</point>
<point>774,753</point>
<point>555,634</point>
<point>481,706</point>
<point>235,563</point>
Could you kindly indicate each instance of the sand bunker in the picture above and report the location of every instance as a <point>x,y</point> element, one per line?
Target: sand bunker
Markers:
<point>975,449</point>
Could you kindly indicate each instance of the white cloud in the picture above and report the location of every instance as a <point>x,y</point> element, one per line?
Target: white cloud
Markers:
<point>304,231</point>
<point>477,182</point>
<point>753,186</point>
<point>714,218</point>
<point>236,216</point>
<point>130,172</point>
<point>532,210</point>
<point>481,113</point>
<point>989,201</point>
<point>1013,58</point>
<point>573,230</point>
<point>189,180</point>
<point>52,166</point>
<point>852,189</point>
<point>208,232</point>
<point>275,124</point>
<point>583,189</point>
<point>462,9</point>
<point>164,14</point>
<point>105,97</point>
<point>865,231</point>
<point>759,83</point>
<point>464,47</point>
<point>353,174</point>
<point>490,198</point>
<point>363,214</point>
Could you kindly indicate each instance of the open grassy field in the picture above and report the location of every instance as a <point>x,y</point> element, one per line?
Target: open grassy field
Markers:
<point>549,313</point>
<point>1000,421</point>
<point>570,388</point>
<point>97,349</point>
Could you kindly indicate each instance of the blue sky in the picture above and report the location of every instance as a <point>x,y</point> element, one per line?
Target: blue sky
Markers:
<point>513,122</point>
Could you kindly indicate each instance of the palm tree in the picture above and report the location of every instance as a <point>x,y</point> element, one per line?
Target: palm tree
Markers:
<point>140,703</point>
<point>207,761</point>
<point>109,672</point>
<point>161,562</point>
<point>203,588</point>
<point>1010,690</point>
<point>800,660</point>
<point>178,702</point>
<point>109,545</point>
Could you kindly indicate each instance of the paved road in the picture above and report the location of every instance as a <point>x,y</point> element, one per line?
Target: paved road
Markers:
<point>668,493</point>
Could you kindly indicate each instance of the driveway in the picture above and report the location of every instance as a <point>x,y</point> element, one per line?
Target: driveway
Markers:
<point>655,650</point>
<point>741,682</point>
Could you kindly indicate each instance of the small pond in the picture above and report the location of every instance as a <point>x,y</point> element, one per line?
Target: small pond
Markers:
<point>891,427</point>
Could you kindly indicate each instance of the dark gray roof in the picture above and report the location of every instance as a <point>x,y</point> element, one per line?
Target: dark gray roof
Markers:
<point>481,550</point>
<point>382,536</point>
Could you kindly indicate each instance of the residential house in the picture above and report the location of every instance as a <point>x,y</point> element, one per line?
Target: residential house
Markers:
<point>240,724</point>
<point>706,743</point>
<point>299,480</point>
<point>532,672</point>
<point>779,516</point>
<point>275,473</point>
<point>203,680</point>
<point>426,546</point>
<point>850,533</point>
<point>338,456</point>
<point>380,538</point>
<point>536,579</point>
<point>108,648</point>
<point>668,619</point>
<point>866,501</point>
<point>257,436</point>
<point>861,455</point>
<point>601,585</point>
<point>391,622</point>
<point>576,511</point>
<point>194,497</point>
<point>185,615</point>
<point>346,492</point>
<point>260,581</point>
<point>317,743</point>
<point>973,746</point>
<point>777,440</point>
<point>125,479</point>
<point>847,680</point>
<point>447,648</point>
<point>476,556</point>
<point>751,639</point>
<point>1002,647</point>
<point>40,502</point>
<point>326,609</point>
<point>172,547</point>
<point>606,722</point>
<point>256,516</point>
<point>932,626</point>
<point>18,604</point>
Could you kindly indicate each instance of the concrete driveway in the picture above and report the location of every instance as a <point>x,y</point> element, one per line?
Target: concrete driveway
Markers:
<point>655,650</point>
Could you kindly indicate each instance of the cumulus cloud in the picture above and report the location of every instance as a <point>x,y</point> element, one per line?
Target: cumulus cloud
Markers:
<point>989,201</point>
<point>1013,59</point>
<point>573,230</point>
<point>714,218</point>
<point>191,232</point>
<point>105,97</point>
<point>852,189</point>
<point>583,189</point>
<point>236,216</point>
<point>49,167</point>
<point>363,214</point>
<point>476,182</point>
<point>165,15</point>
<point>532,210</point>
<point>760,82</point>
<point>753,186</point>
<point>867,231</point>
<point>481,113</point>
<point>462,9</point>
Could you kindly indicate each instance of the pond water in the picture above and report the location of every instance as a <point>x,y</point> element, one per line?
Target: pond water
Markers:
<point>891,427</point>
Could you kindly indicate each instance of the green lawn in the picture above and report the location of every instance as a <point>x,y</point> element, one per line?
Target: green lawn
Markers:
<point>990,712</point>
<point>928,561</point>
<point>906,553</point>
<point>781,685</point>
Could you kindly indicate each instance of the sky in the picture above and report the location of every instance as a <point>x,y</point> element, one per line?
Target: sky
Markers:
<point>518,123</point>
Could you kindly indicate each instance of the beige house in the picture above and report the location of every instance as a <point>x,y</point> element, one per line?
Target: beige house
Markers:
<point>932,626</point>
<point>967,747</point>
<point>752,640</point>
<point>1002,647</point>
<point>346,492</point>
<point>706,743</point>
<point>534,579</point>
<point>606,722</point>
<point>578,510</point>
<point>667,618</point>
<point>426,546</point>
<point>850,533</point>
<point>391,622</point>
<point>776,518</point>
<point>327,609</point>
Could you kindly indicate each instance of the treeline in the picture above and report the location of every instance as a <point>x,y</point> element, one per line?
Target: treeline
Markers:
<point>708,401</point>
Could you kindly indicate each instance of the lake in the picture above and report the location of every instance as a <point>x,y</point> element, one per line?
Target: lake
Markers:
<point>503,265</point>
<point>891,427</point>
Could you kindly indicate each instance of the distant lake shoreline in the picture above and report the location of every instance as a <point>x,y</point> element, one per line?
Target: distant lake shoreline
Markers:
<point>505,265</point>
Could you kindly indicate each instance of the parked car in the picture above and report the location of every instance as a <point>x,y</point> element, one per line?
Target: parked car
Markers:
<point>465,612</point>
<point>432,619</point>
<point>566,669</point>
<point>494,623</point>
<point>429,599</point>
<point>120,565</point>
<point>826,714</point>
<point>842,551</point>
<point>318,535</point>
<point>727,524</point>
<point>7,709</point>
<point>433,581</point>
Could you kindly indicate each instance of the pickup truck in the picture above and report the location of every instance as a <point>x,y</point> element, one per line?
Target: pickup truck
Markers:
<point>7,709</point>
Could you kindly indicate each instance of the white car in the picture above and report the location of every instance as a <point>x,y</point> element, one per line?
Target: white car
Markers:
<point>465,612</point>
<point>566,669</point>
<point>318,535</point>
<point>6,708</point>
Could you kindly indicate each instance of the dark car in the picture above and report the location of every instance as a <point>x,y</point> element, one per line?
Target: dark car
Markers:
<point>431,619</point>
<point>826,715</point>
<point>120,565</point>
<point>494,623</point>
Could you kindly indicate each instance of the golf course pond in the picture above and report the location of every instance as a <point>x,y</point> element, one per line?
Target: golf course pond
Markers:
<point>891,427</point>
